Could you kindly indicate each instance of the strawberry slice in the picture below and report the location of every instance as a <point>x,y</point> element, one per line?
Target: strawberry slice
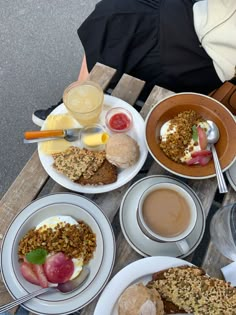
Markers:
<point>28,273</point>
<point>39,271</point>
<point>202,138</point>
<point>58,268</point>
<point>201,153</point>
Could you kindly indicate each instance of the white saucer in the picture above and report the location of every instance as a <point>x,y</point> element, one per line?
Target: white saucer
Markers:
<point>133,234</point>
<point>231,174</point>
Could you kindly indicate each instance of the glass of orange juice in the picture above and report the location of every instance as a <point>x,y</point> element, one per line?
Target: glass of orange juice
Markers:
<point>84,101</point>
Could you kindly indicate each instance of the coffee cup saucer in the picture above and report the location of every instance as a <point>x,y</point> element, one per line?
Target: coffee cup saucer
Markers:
<point>134,235</point>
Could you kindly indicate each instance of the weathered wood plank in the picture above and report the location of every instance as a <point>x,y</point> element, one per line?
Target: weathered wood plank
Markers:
<point>58,189</point>
<point>155,96</point>
<point>102,74</point>
<point>205,190</point>
<point>128,89</point>
<point>24,189</point>
<point>214,260</point>
<point>110,202</point>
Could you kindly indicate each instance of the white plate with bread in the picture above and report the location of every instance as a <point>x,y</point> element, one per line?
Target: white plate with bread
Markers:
<point>123,175</point>
<point>140,271</point>
<point>163,285</point>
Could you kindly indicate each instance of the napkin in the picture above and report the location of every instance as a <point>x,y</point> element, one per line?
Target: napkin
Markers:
<point>229,273</point>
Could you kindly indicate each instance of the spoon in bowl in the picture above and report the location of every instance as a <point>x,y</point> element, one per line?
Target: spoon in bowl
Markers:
<point>66,287</point>
<point>212,137</point>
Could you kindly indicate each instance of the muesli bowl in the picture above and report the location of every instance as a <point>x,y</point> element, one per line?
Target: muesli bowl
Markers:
<point>54,205</point>
<point>209,109</point>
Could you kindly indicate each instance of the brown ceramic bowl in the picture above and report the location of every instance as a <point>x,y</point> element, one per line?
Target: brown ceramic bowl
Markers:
<point>210,109</point>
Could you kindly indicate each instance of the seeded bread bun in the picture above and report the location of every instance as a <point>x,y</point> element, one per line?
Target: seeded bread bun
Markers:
<point>138,299</point>
<point>122,150</point>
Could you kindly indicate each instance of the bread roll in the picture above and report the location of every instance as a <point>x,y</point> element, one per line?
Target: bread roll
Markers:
<point>122,150</point>
<point>138,299</point>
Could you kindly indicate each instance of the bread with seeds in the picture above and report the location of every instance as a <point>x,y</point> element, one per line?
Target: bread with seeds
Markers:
<point>187,289</point>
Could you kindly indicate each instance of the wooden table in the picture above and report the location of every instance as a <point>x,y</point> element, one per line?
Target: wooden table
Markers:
<point>33,182</point>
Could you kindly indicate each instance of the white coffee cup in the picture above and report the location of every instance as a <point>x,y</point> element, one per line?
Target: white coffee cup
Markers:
<point>179,239</point>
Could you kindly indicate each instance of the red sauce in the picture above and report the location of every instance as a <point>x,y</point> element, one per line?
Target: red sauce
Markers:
<point>119,121</point>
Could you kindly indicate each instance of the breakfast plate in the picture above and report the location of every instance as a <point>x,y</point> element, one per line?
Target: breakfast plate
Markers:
<point>137,132</point>
<point>101,265</point>
<point>138,271</point>
<point>134,235</point>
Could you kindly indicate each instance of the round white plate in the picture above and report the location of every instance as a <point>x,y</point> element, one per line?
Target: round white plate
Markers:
<point>101,265</point>
<point>124,176</point>
<point>138,271</point>
<point>231,174</point>
<point>132,232</point>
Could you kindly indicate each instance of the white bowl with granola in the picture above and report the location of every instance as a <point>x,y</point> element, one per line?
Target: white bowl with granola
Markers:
<point>48,242</point>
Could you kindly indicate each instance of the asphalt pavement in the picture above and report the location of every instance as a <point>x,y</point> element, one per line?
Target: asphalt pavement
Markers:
<point>40,55</point>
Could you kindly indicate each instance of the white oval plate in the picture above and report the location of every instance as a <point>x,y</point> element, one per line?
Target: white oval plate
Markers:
<point>138,271</point>
<point>101,265</point>
<point>124,176</point>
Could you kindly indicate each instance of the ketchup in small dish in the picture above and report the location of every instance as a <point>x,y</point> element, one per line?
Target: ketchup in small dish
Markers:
<point>118,119</point>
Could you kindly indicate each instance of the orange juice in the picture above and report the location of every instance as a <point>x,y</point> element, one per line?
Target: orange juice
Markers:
<point>84,101</point>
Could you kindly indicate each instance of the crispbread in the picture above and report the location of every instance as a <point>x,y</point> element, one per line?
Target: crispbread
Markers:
<point>189,289</point>
<point>75,162</point>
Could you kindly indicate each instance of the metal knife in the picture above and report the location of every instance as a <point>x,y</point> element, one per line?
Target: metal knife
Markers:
<point>45,135</point>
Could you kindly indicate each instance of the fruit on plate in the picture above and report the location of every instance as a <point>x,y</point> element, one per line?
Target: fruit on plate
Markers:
<point>28,273</point>
<point>41,275</point>
<point>56,250</point>
<point>58,268</point>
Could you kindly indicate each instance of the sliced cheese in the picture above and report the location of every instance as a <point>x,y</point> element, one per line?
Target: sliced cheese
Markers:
<point>62,121</point>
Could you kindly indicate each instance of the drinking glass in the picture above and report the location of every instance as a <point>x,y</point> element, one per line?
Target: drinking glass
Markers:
<point>223,231</point>
<point>84,101</point>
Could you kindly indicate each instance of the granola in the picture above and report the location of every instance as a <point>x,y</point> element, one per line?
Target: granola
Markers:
<point>74,241</point>
<point>179,134</point>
